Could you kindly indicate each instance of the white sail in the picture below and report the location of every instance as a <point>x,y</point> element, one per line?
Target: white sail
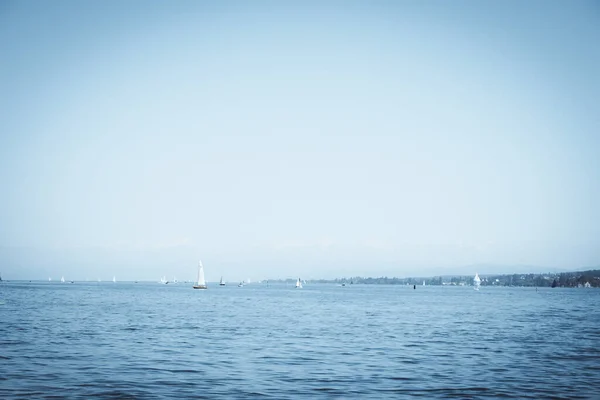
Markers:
<point>476,281</point>
<point>222,282</point>
<point>298,284</point>
<point>62,279</point>
<point>201,281</point>
<point>114,279</point>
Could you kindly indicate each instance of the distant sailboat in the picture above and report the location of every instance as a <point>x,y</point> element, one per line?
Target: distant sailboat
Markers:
<point>49,279</point>
<point>221,282</point>
<point>201,284</point>
<point>476,281</point>
<point>163,280</point>
<point>298,284</point>
<point>114,279</point>
<point>241,284</point>
<point>423,283</point>
<point>62,279</point>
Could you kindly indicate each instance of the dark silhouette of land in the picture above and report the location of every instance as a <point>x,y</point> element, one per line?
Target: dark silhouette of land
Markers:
<point>589,278</point>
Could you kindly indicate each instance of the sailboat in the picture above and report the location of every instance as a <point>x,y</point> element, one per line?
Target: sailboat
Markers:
<point>221,282</point>
<point>298,284</point>
<point>423,283</point>
<point>476,281</point>
<point>201,284</point>
<point>62,279</point>
<point>114,279</point>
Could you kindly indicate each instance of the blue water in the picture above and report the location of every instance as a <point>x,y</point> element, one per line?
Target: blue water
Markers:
<point>152,341</point>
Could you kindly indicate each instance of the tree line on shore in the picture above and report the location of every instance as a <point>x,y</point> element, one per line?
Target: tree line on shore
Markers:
<point>589,278</point>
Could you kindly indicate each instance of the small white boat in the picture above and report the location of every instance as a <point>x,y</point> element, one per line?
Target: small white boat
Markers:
<point>62,279</point>
<point>298,284</point>
<point>201,284</point>
<point>241,284</point>
<point>476,281</point>
<point>221,282</point>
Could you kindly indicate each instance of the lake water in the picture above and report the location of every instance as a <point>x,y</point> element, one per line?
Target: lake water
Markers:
<point>152,341</point>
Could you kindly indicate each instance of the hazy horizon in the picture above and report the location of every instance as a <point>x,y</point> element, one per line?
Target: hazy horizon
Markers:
<point>314,139</point>
<point>129,265</point>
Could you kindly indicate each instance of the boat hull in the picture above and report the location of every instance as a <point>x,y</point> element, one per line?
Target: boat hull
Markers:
<point>200,287</point>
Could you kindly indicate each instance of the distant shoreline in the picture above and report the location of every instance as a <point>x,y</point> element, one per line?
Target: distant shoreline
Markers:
<point>588,278</point>
<point>562,279</point>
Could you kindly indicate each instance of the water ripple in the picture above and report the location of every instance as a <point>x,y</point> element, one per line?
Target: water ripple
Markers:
<point>127,341</point>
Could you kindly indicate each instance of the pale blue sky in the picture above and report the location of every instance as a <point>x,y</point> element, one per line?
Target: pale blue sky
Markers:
<point>277,139</point>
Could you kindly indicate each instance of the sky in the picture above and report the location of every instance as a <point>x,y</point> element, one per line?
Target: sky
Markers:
<point>284,139</point>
